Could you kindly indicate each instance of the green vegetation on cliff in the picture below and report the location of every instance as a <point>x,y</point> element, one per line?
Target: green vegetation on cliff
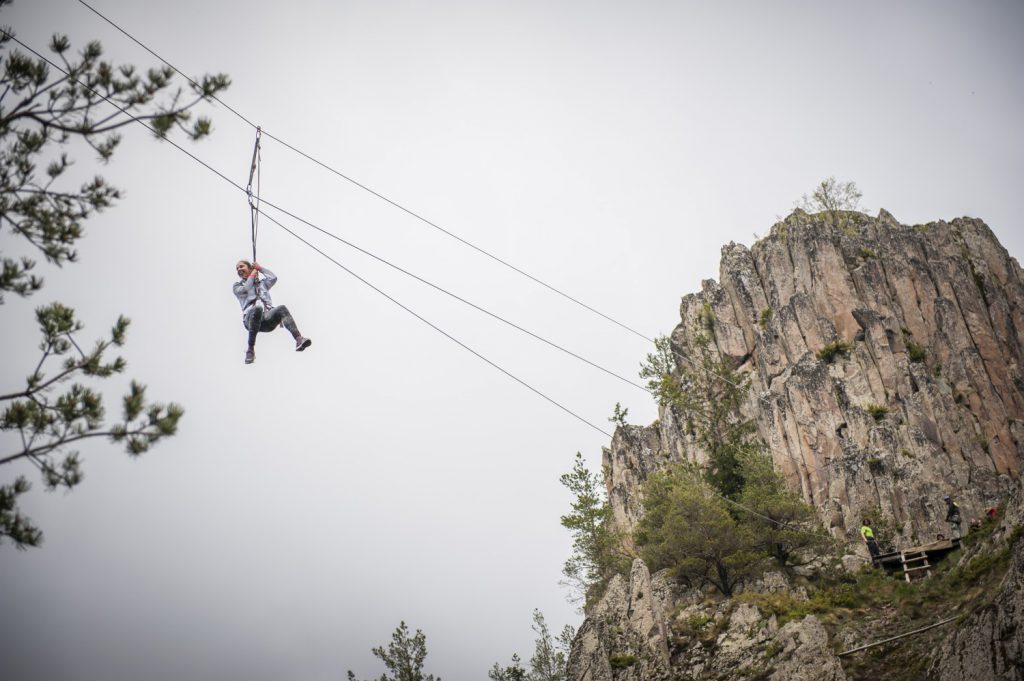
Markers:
<point>707,392</point>
<point>597,548</point>
<point>873,605</point>
<point>727,522</point>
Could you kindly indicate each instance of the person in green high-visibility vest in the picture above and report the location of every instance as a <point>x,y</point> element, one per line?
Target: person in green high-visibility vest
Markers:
<point>868,535</point>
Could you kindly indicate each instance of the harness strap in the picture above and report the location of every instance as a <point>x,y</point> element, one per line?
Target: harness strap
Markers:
<point>254,171</point>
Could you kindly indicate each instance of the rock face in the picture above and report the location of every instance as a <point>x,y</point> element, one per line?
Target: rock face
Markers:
<point>646,630</point>
<point>625,636</point>
<point>989,643</point>
<point>926,400</point>
<point>934,315</point>
<point>805,653</point>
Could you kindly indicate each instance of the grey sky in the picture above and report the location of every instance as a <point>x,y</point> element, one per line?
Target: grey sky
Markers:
<point>311,502</point>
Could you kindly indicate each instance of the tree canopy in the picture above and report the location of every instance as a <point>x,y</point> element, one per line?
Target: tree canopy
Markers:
<point>718,523</point>
<point>688,528</point>
<point>549,659</point>
<point>47,104</point>
<point>597,553</point>
<point>832,198</point>
<point>783,525</point>
<point>707,392</point>
<point>403,658</point>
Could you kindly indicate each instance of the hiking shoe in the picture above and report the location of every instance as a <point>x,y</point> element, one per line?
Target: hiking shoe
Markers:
<point>302,343</point>
<point>250,356</point>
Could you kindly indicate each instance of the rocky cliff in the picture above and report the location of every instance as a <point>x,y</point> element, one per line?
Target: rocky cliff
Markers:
<point>885,363</point>
<point>928,401</point>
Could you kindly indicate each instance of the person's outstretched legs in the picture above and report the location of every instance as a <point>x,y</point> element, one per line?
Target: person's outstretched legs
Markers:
<point>281,315</point>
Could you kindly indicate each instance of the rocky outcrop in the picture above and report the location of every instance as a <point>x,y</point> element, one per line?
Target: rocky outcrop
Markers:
<point>805,654</point>
<point>927,401</point>
<point>625,635</point>
<point>645,629</point>
<point>922,397</point>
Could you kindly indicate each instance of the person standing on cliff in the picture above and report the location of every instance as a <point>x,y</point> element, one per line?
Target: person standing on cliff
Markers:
<point>952,517</point>
<point>868,535</point>
<point>258,312</point>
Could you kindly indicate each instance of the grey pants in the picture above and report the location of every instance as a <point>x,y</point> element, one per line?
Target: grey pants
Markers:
<point>256,320</point>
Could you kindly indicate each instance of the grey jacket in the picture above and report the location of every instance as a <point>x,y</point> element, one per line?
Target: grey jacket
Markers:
<point>248,293</point>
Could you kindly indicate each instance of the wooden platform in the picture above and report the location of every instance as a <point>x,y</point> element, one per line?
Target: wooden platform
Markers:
<point>916,562</point>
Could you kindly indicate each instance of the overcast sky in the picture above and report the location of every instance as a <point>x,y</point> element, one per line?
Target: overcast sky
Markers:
<point>312,501</point>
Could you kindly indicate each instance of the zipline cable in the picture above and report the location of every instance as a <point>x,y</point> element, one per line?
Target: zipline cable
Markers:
<point>361,279</point>
<point>366,282</point>
<point>365,188</point>
<point>442,331</point>
<point>448,293</point>
<point>377,194</point>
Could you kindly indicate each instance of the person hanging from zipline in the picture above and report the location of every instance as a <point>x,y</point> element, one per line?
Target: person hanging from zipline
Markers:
<point>258,311</point>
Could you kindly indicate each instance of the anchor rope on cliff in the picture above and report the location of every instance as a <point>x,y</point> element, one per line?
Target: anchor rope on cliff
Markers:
<point>896,638</point>
<point>751,511</point>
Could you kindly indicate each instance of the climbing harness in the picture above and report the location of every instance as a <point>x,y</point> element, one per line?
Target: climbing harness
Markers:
<point>254,202</point>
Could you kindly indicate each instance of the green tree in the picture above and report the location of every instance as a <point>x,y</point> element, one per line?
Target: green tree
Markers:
<point>661,370</point>
<point>597,552</point>
<point>47,105</point>
<point>513,672</point>
<point>549,655</point>
<point>833,198</point>
<point>688,528</point>
<point>403,658</point>
<point>707,393</point>
<point>783,525</point>
<point>549,659</point>
<point>619,414</point>
<point>718,530</point>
